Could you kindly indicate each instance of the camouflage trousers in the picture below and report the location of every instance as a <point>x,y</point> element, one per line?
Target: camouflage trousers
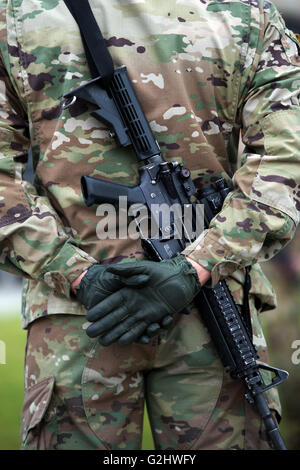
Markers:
<point>80,395</point>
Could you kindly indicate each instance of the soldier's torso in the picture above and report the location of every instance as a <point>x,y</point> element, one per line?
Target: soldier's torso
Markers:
<point>185,60</point>
<point>190,63</point>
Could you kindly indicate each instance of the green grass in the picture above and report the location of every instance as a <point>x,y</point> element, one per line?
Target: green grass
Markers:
<point>147,435</point>
<point>11,380</point>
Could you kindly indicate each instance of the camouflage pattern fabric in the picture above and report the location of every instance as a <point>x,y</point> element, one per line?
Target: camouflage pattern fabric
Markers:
<point>198,90</point>
<point>192,402</point>
<point>204,72</point>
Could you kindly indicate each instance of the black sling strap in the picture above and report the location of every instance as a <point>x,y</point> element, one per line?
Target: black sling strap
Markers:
<point>98,56</point>
<point>246,307</point>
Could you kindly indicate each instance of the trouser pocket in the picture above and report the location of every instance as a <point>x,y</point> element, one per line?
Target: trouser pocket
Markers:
<point>38,423</point>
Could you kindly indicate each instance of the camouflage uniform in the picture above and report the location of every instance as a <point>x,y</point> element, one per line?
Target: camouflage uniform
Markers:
<point>204,72</point>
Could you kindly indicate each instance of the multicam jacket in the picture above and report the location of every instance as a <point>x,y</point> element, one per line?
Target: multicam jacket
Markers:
<point>205,72</point>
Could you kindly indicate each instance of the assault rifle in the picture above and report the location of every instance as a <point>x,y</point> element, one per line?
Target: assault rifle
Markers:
<point>168,183</point>
<point>162,184</point>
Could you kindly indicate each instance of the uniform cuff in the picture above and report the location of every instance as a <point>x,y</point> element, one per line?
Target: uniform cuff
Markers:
<point>211,253</point>
<point>65,268</point>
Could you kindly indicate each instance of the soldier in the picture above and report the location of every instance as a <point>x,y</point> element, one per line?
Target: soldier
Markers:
<point>203,71</point>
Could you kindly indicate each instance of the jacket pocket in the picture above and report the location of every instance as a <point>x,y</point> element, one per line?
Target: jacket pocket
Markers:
<point>37,417</point>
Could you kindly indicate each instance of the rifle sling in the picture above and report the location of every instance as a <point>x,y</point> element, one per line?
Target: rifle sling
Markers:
<point>97,54</point>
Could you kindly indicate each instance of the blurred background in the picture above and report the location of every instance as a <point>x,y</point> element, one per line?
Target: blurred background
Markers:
<point>281,326</point>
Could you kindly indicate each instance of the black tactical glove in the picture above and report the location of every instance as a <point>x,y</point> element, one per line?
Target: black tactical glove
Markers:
<point>126,314</point>
<point>98,283</point>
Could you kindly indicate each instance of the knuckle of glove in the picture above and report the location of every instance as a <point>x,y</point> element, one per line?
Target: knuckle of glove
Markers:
<point>96,285</point>
<point>174,294</point>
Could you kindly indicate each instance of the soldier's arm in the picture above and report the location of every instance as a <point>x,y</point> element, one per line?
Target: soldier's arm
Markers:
<point>33,242</point>
<point>261,215</point>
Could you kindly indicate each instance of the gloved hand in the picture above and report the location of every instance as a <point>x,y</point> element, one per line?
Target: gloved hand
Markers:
<point>126,314</point>
<point>98,283</point>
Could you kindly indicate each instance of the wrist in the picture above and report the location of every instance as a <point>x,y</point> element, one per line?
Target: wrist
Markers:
<point>77,282</point>
<point>203,274</point>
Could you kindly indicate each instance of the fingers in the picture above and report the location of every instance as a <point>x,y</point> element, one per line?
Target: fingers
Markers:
<point>132,335</point>
<point>144,340</point>
<point>151,331</point>
<point>107,323</point>
<point>154,329</point>
<point>167,321</point>
<point>187,310</point>
<point>136,281</point>
<point>112,320</point>
<point>128,269</point>
<point>129,274</point>
<point>110,284</point>
<point>127,327</point>
<point>99,295</point>
<point>107,305</point>
<point>115,282</point>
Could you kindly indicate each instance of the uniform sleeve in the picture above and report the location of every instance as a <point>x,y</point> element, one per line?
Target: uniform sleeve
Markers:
<point>33,242</point>
<point>261,214</point>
